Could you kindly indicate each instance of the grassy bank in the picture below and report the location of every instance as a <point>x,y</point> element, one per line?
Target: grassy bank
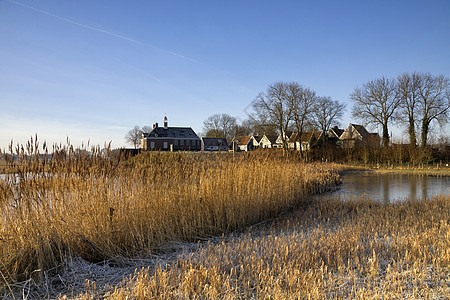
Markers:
<point>422,169</point>
<point>442,171</point>
<point>78,204</point>
<point>357,249</point>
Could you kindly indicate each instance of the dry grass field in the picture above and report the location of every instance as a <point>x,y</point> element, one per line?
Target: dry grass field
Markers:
<point>78,204</point>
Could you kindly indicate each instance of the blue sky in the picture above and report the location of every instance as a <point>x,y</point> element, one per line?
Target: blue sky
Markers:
<point>91,70</point>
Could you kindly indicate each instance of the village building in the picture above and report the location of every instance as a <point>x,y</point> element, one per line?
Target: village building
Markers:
<point>245,143</point>
<point>170,138</point>
<point>294,141</point>
<point>307,141</point>
<point>356,136</point>
<point>311,139</point>
<point>279,140</point>
<point>335,133</point>
<point>214,144</point>
<point>267,141</point>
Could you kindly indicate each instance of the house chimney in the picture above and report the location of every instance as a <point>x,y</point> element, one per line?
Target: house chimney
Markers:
<point>165,122</point>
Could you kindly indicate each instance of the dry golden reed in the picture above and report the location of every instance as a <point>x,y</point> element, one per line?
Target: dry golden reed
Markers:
<point>71,202</point>
<point>356,249</point>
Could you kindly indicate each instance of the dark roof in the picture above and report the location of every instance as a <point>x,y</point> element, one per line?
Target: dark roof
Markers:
<point>271,138</point>
<point>317,134</point>
<point>172,132</point>
<point>337,131</point>
<point>362,131</point>
<point>214,142</point>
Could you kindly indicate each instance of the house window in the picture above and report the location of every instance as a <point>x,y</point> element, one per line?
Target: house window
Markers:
<point>165,145</point>
<point>181,142</point>
<point>175,142</point>
<point>152,145</point>
<point>188,143</point>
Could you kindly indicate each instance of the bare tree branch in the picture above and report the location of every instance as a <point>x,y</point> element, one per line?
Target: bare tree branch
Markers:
<point>327,113</point>
<point>220,126</point>
<point>434,102</point>
<point>376,103</point>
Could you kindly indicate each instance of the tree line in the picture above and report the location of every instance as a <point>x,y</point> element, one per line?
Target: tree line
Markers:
<point>412,99</point>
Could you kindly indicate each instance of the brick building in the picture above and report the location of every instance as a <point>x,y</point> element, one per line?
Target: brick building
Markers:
<point>170,138</point>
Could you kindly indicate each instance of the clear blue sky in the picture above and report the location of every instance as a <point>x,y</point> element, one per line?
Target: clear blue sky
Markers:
<point>91,70</point>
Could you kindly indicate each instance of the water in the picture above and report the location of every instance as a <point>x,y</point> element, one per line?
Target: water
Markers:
<point>390,187</point>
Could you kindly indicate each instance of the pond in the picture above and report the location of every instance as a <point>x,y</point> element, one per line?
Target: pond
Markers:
<point>390,187</point>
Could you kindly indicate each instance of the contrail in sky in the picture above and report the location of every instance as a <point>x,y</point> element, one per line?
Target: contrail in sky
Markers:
<point>98,29</point>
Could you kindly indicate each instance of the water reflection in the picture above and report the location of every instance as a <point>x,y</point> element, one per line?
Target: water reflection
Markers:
<point>390,187</point>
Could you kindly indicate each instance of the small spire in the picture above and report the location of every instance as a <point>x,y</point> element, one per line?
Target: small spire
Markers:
<point>166,123</point>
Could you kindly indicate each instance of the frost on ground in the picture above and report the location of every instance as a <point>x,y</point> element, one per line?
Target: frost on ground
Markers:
<point>78,276</point>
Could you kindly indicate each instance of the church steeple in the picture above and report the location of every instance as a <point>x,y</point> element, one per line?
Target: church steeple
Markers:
<point>165,122</point>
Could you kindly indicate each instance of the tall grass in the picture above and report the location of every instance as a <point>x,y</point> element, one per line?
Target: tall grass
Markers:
<point>357,249</point>
<point>66,201</point>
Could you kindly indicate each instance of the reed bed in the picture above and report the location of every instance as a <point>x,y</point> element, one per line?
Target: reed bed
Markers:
<point>355,249</point>
<point>70,202</point>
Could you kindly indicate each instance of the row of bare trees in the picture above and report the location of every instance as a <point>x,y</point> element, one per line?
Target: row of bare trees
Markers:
<point>411,99</point>
<point>282,107</point>
<point>287,105</point>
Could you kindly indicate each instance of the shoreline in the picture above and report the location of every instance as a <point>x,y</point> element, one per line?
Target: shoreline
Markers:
<point>429,171</point>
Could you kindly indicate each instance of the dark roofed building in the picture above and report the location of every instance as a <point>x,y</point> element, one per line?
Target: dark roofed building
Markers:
<point>215,144</point>
<point>170,138</point>
<point>356,135</point>
<point>335,132</point>
<point>310,139</point>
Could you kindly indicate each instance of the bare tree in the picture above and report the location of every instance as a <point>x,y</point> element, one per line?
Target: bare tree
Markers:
<point>133,136</point>
<point>146,128</point>
<point>274,105</point>
<point>259,122</point>
<point>220,125</point>
<point>242,129</point>
<point>408,91</point>
<point>376,103</point>
<point>259,126</point>
<point>434,102</point>
<point>303,102</point>
<point>327,113</point>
